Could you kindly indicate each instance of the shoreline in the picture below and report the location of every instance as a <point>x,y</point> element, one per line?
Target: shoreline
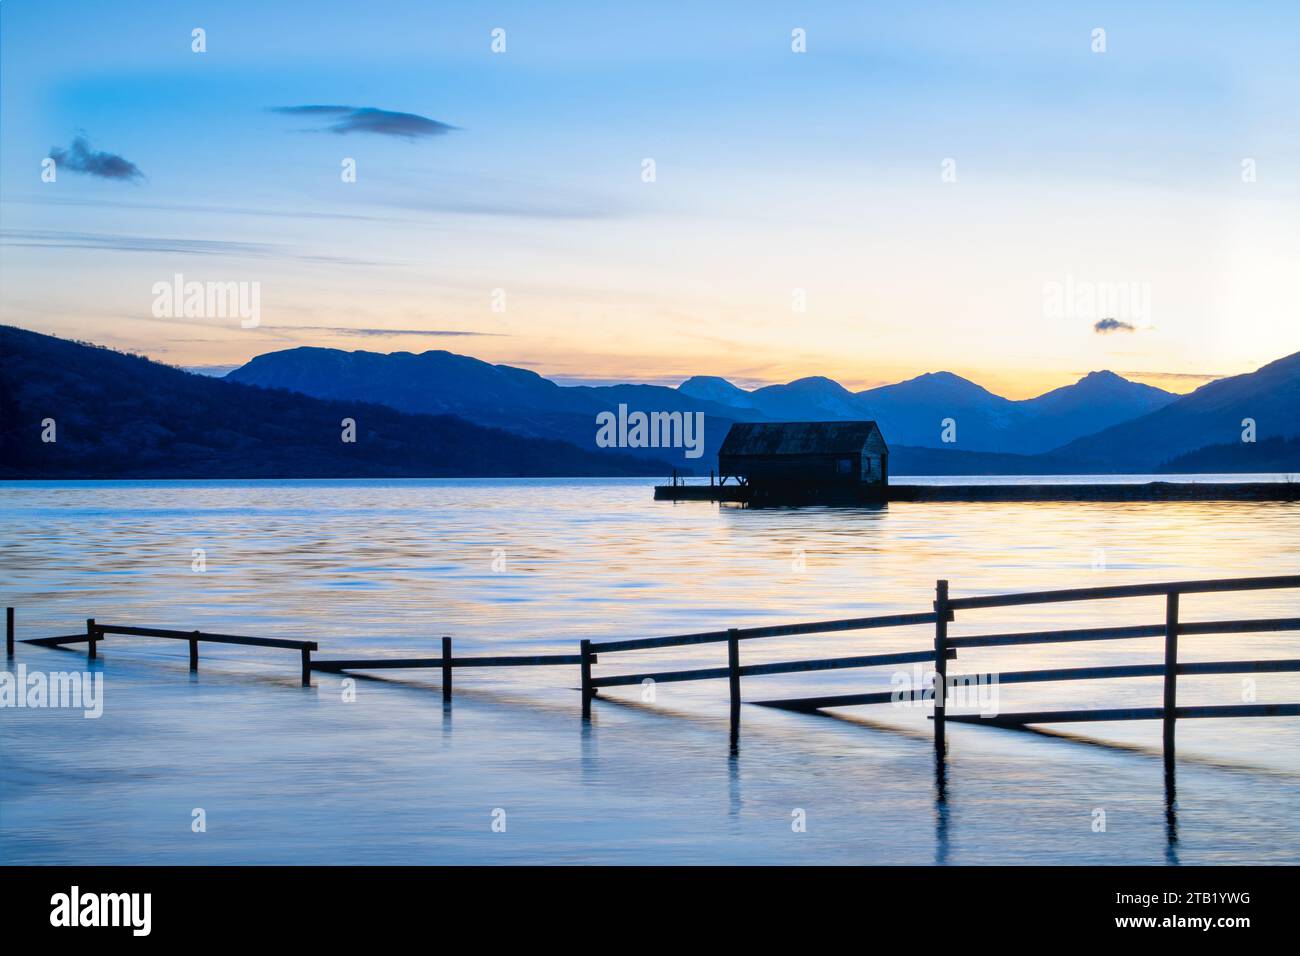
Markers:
<point>1150,491</point>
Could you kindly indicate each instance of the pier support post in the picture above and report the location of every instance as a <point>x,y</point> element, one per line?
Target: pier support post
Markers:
<point>1171,669</point>
<point>9,632</point>
<point>91,637</point>
<point>940,664</point>
<point>306,667</point>
<point>733,680</point>
<point>446,670</point>
<point>585,663</point>
<point>194,653</point>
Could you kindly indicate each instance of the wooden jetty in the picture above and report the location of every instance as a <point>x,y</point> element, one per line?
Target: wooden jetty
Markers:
<point>880,494</point>
<point>938,651</point>
<point>847,463</point>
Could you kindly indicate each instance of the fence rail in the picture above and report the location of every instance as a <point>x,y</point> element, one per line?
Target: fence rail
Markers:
<point>1125,633</point>
<point>1168,670</point>
<point>407,663</point>
<point>95,633</point>
<point>1131,713</point>
<point>734,671</point>
<point>939,650</point>
<point>1060,674</point>
<point>446,663</point>
<point>1127,590</point>
<point>777,630</point>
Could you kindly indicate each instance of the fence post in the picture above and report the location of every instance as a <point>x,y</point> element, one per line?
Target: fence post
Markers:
<point>194,652</point>
<point>446,669</point>
<point>1171,668</point>
<point>9,631</point>
<point>733,680</point>
<point>306,667</point>
<point>585,652</point>
<point>940,664</point>
<point>90,635</point>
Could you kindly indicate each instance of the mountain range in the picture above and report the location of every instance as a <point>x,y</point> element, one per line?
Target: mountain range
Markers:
<point>500,396</point>
<point>1217,413</point>
<point>913,412</point>
<point>1101,423</point>
<point>910,413</point>
<point>443,414</point>
<point>113,415</point>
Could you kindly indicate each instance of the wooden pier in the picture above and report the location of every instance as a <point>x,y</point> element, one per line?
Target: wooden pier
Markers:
<point>1115,491</point>
<point>937,650</point>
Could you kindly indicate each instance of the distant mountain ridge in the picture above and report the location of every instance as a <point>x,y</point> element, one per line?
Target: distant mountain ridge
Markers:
<point>914,412</point>
<point>501,396</point>
<point>1101,423</point>
<point>115,415</point>
<point>1221,412</point>
<point>712,388</point>
<point>909,413</point>
<point>123,416</point>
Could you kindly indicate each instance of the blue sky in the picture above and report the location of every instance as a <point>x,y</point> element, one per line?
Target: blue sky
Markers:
<point>776,172</point>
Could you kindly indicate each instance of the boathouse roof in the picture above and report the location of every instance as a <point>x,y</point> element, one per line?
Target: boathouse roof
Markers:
<point>758,439</point>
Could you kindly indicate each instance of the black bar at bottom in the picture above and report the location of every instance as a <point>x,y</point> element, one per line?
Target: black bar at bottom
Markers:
<point>1094,902</point>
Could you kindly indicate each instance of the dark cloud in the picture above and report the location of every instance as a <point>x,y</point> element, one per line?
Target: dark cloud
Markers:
<point>368,119</point>
<point>1113,325</point>
<point>81,158</point>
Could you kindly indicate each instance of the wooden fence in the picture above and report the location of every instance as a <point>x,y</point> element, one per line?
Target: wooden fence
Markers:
<point>946,608</point>
<point>445,663</point>
<point>938,651</point>
<point>95,633</point>
<point>734,671</point>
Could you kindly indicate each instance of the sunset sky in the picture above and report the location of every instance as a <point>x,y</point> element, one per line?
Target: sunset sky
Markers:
<point>1076,172</point>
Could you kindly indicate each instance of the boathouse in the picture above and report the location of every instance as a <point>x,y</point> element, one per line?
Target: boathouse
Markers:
<point>810,457</point>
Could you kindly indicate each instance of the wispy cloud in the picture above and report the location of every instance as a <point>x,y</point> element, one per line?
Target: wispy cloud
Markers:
<point>554,205</point>
<point>1177,376</point>
<point>59,239</point>
<point>116,242</point>
<point>369,119</point>
<point>214,209</point>
<point>82,158</point>
<point>1104,326</point>
<point>376,333</point>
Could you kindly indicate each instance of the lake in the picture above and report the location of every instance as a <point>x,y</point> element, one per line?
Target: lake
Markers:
<point>385,568</point>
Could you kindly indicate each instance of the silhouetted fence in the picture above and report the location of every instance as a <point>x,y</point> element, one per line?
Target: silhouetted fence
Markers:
<point>939,650</point>
<point>95,633</point>
<point>445,663</point>
<point>1168,712</point>
<point>734,671</point>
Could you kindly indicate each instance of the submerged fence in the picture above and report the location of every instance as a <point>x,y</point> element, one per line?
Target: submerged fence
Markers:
<point>946,608</point>
<point>938,651</point>
<point>734,671</point>
<point>445,663</point>
<point>95,634</point>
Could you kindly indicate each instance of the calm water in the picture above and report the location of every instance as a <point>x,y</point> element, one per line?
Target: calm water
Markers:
<point>380,568</point>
